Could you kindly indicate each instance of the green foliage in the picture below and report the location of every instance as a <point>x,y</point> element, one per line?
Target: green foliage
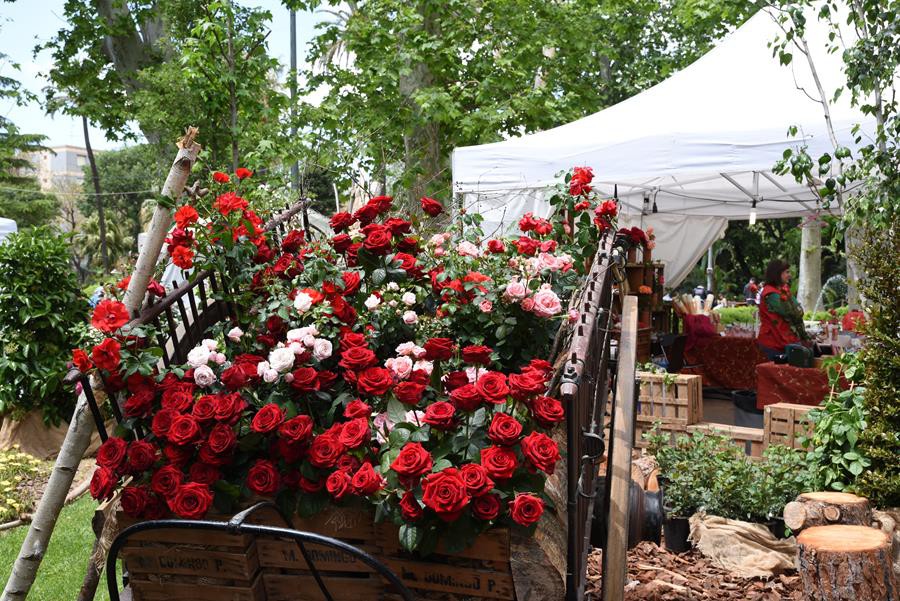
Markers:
<point>40,302</point>
<point>709,472</point>
<point>732,315</point>
<point>18,473</point>
<point>880,442</point>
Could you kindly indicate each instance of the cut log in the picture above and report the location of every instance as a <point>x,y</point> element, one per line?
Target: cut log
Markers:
<point>825,508</point>
<point>846,563</point>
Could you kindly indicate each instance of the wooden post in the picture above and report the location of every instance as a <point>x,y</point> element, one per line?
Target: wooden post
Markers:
<point>846,563</point>
<point>824,508</point>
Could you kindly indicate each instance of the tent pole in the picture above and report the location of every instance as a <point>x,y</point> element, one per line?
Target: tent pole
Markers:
<point>709,270</point>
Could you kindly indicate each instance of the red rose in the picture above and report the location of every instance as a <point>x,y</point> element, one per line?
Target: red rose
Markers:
<point>134,501</point>
<point>140,404</point>
<point>183,257</point>
<point>341,221</point>
<point>267,419</point>
<point>355,432</point>
<point>466,398</point>
<point>243,173</point>
<point>178,397</point>
<point>177,455</point>
<point>540,451</point>
<point>103,483</point>
<point>296,429</point>
<point>186,216</point>
<point>229,407</point>
<point>357,358</point>
<point>547,411</point>
<point>408,245</point>
<point>228,203</point>
<point>410,508</point>
<point>263,478</point>
<point>477,355</point>
<point>111,453</point>
<point>496,246</point>
<point>406,262</point>
<point>237,376</point>
<point>141,456</point>
<point>476,479</point>
<point>204,473</point>
<point>326,379</point>
<point>81,361</point>
<point>166,480</point>
<point>431,206</point>
<point>338,484</point>
<point>366,481</point>
<point>492,387</point>
<point>222,439</point>
<point>527,246</point>
<point>374,381</point>
<point>412,461</point>
<point>348,463</point>
<point>409,393</point>
<point>398,226</point>
<point>306,379</point>
<point>526,509</point>
<point>445,494</point>
<point>155,509</point>
<point>438,349</point>
<point>351,339</point>
<point>287,451</point>
<point>293,241</point>
<point>486,507</point>
<point>381,204</point>
<point>191,501</point>
<point>455,379</point>
<point>325,451</point>
<point>504,429</point>
<point>419,376</point>
<point>184,430</point>
<point>109,316</point>
<point>341,242</point>
<point>527,384</point>
<point>351,255</point>
<point>162,421</point>
<point>351,280</point>
<point>311,486</point>
<point>378,240</point>
<point>205,408</point>
<point>106,354</point>
<point>221,178</point>
<point>440,415</point>
<point>356,408</point>
<point>500,462</point>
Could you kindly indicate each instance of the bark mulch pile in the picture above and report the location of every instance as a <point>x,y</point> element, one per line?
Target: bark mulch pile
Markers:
<point>655,574</point>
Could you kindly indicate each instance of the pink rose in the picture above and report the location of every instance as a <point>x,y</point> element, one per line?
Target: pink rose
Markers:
<point>515,290</point>
<point>573,315</point>
<point>467,249</point>
<point>401,366</point>
<point>546,303</point>
<point>410,317</point>
<point>486,306</point>
<point>528,304</point>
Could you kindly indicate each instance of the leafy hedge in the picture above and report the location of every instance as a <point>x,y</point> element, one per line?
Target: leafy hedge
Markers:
<point>880,442</point>
<point>40,305</point>
<point>730,315</point>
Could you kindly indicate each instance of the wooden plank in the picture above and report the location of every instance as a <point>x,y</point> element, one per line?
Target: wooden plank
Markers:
<point>274,553</point>
<point>189,561</point>
<point>291,587</point>
<point>444,578</point>
<point>340,522</point>
<point>785,423</point>
<point>207,538</point>
<point>165,590</point>
<point>614,554</point>
<point>492,545</point>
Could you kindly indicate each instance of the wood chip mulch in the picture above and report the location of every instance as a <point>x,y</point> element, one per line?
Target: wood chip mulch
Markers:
<point>655,574</point>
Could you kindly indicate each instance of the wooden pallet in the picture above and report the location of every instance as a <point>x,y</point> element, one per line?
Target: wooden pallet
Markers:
<point>749,439</point>
<point>675,406</point>
<point>785,423</point>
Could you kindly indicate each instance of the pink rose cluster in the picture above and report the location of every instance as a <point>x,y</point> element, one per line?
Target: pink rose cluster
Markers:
<point>543,303</point>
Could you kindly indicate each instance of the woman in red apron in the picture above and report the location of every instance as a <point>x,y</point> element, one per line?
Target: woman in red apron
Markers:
<point>780,315</point>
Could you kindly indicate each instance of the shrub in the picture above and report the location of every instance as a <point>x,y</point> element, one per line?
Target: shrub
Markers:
<point>19,473</point>
<point>880,442</point>
<point>730,315</point>
<point>39,304</point>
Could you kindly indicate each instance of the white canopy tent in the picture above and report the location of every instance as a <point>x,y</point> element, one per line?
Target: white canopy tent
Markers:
<point>7,227</point>
<point>700,146</point>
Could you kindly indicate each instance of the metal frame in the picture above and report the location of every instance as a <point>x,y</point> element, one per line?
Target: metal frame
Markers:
<point>236,525</point>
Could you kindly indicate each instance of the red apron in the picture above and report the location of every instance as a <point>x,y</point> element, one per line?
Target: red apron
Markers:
<point>774,331</point>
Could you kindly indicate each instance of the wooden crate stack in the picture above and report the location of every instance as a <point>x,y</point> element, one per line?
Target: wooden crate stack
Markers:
<point>675,406</point>
<point>176,565</point>
<point>786,423</point>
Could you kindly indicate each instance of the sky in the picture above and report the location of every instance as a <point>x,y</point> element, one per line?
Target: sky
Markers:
<point>26,23</point>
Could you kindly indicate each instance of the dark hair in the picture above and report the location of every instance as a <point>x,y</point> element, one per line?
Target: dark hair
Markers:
<point>774,270</point>
<point>753,280</point>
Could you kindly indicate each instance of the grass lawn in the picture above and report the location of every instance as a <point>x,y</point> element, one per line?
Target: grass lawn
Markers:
<point>62,570</point>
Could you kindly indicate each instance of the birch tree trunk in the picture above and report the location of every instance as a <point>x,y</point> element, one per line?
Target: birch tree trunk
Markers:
<point>852,239</point>
<point>81,426</point>
<point>810,280</point>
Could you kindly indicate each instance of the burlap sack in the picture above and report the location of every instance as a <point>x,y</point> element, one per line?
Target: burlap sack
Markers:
<point>36,439</point>
<point>748,550</point>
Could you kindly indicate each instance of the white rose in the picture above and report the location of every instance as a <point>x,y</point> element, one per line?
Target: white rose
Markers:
<point>204,376</point>
<point>198,356</point>
<point>262,367</point>
<point>234,334</point>
<point>217,358</point>
<point>410,317</point>
<point>296,347</point>
<point>426,366</point>
<point>303,302</point>
<point>393,286</point>
<point>210,344</point>
<point>322,349</point>
<point>282,359</point>
<point>270,375</point>
<point>392,303</point>
<point>295,335</point>
<point>372,302</point>
<point>408,298</point>
<point>309,341</point>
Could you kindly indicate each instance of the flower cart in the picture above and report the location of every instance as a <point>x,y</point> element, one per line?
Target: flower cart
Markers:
<point>260,379</point>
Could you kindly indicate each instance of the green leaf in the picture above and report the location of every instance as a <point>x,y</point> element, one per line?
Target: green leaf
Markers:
<point>379,276</point>
<point>410,537</point>
<point>396,411</point>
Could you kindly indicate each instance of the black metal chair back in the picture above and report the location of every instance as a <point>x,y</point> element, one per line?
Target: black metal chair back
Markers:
<point>236,525</point>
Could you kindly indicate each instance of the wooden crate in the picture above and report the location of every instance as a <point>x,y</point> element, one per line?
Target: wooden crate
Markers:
<point>785,423</point>
<point>674,406</point>
<point>749,439</point>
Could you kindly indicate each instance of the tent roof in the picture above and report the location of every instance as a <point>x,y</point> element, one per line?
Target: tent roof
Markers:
<point>702,142</point>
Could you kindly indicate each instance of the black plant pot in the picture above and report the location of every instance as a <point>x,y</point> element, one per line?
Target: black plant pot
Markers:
<point>675,532</point>
<point>776,527</point>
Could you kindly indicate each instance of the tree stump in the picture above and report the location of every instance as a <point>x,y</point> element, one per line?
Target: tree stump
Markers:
<point>826,508</point>
<point>846,563</point>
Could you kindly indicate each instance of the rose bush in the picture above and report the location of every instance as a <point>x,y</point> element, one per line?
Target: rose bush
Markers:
<point>404,370</point>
